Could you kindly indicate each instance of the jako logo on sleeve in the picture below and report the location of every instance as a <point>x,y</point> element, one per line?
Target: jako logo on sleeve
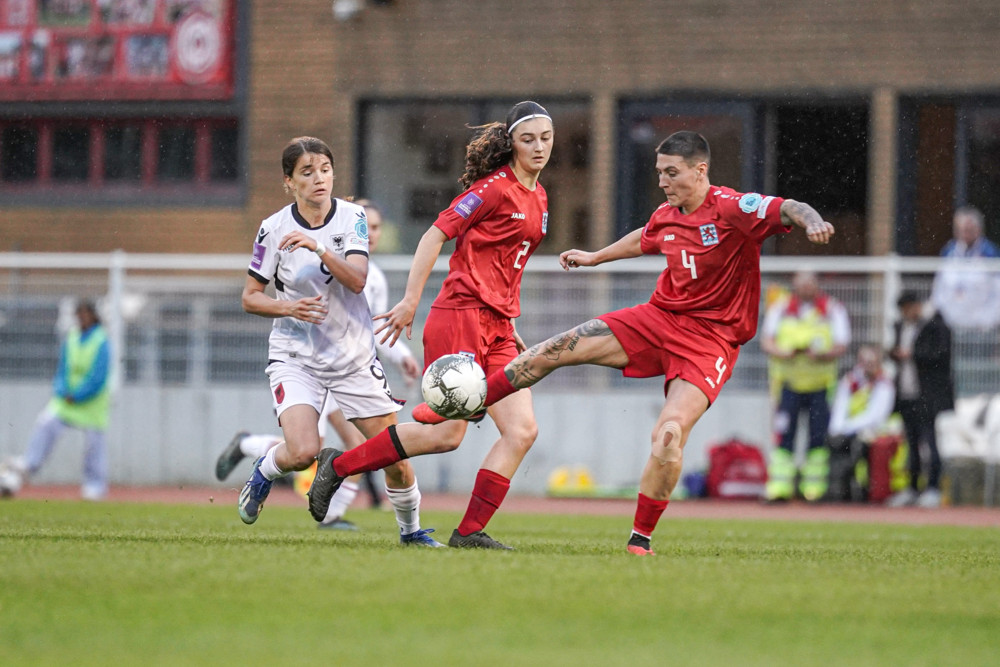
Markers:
<point>469,203</point>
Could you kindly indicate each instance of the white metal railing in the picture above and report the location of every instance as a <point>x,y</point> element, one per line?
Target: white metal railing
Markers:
<point>176,318</point>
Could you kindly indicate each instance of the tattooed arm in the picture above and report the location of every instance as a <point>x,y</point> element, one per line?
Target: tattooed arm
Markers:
<point>805,216</point>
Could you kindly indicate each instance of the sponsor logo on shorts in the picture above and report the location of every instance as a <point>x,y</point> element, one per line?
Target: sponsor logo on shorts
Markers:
<point>469,203</point>
<point>709,236</point>
<point>258,255</point>
<point>517,216</point>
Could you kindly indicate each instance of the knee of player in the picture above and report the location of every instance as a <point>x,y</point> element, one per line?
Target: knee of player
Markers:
<point>524,433</point>
<point>668,442</point>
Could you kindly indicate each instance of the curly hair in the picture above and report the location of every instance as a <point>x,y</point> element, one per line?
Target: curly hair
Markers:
<point>489,149</point>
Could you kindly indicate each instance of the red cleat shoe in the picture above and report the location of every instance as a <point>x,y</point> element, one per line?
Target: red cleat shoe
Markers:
<point>639,545</point>
<point>423,414</point>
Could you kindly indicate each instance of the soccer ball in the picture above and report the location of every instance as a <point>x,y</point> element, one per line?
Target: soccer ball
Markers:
<point>454,386</point>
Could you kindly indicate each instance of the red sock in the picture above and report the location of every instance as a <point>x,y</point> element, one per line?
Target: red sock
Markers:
<point>647,514</point>
<point>498,387</point>
<point>487,494</point>
<point>374,454</point>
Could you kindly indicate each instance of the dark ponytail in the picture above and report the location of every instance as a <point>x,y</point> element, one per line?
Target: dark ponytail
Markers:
<point>490,149</point>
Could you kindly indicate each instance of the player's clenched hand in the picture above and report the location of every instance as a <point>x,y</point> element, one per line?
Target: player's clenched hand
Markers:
<point>573,258</point>
<point>295,240</point>
<point>396,320</point>
<point>310,309</point>
<point>819,231</point>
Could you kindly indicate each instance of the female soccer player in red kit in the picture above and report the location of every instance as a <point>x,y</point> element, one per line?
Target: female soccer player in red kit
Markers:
<point>704,308</point>
<point>497,224</point>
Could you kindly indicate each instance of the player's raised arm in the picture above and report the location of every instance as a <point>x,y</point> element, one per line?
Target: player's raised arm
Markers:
<point>805,216</point>
<point>625,247</point>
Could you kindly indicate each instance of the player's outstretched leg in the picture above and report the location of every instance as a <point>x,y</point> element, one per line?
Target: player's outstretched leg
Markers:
<point>230,457</point>
<point>254,494</point>
<point>325,484</point>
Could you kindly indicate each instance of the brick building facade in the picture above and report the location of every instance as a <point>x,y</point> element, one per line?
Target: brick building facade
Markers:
<point>917,82</point>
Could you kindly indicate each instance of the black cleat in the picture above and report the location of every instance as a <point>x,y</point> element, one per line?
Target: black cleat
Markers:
<point>476,540</point>
<point>230,457</point>
<point>325,484</point>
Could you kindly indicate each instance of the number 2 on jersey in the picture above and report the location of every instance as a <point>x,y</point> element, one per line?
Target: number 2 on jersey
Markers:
<point>522,253</point>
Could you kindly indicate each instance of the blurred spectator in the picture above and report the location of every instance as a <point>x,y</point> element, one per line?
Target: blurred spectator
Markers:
<point>924,387</point>
<point>81,400</point>
<point>804,335</point>
<point>861,409</point>
<point>967,296</point>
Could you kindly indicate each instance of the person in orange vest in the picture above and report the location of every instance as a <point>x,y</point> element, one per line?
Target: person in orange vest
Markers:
<point>804,335</point>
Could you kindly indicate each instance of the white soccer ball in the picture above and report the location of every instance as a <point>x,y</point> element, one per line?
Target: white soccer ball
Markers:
<point>454,386</point>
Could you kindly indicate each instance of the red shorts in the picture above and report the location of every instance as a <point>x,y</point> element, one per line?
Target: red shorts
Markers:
<point>481,331</point>
<point>659,342</point>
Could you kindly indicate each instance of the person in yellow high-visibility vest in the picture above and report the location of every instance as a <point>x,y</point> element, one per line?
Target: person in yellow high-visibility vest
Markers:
<point>80,400</point>
<point>804,335</point>
<point>861,409</point>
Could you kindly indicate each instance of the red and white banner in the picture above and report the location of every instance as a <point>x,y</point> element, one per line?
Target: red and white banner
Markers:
<point>114,50</point>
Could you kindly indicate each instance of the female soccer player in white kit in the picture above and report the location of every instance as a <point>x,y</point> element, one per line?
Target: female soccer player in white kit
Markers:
<point>316,251</point>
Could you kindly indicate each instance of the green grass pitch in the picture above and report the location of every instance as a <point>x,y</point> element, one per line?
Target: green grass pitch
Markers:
<point>123,584</point>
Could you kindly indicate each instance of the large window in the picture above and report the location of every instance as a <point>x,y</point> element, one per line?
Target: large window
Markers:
<point>813,152</point>
<point>413,153</point>
<point>95,158</point>
<point>949,157</point>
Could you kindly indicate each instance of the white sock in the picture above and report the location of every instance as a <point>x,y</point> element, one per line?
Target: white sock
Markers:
<point>255,446</point>
<point>268,468</point>
<point>406,502</point>
<point>341,500</point>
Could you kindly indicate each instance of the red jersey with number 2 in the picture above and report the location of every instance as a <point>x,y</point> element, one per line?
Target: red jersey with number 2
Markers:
<point>713,258</point>
<point>497,225</point>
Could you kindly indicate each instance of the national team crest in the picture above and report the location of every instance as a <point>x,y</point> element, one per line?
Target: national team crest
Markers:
<point>279,393</point>
<point>545,222</point>
<point>709,236</point>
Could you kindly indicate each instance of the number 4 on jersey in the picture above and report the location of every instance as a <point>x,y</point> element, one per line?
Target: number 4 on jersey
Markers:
<point>688,262</point>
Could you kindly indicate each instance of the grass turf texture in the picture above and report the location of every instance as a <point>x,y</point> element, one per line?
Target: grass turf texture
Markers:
<point>86,583</point>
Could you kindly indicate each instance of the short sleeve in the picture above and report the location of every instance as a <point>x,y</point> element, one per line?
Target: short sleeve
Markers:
<point>648,242</point>
<point>356,238</point>
<point>264,257</point>
<point>757,216</point>
<point>467,209</point>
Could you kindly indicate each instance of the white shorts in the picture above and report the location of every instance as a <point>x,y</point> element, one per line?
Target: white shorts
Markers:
<point>363,393</point>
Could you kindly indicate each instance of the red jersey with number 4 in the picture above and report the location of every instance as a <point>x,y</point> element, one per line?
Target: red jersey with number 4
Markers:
<point>498,224</point>
<point>713,258</point>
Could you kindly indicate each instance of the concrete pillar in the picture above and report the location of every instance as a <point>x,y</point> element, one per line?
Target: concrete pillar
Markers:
<point>602,170</point>
<point>882,171</point>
